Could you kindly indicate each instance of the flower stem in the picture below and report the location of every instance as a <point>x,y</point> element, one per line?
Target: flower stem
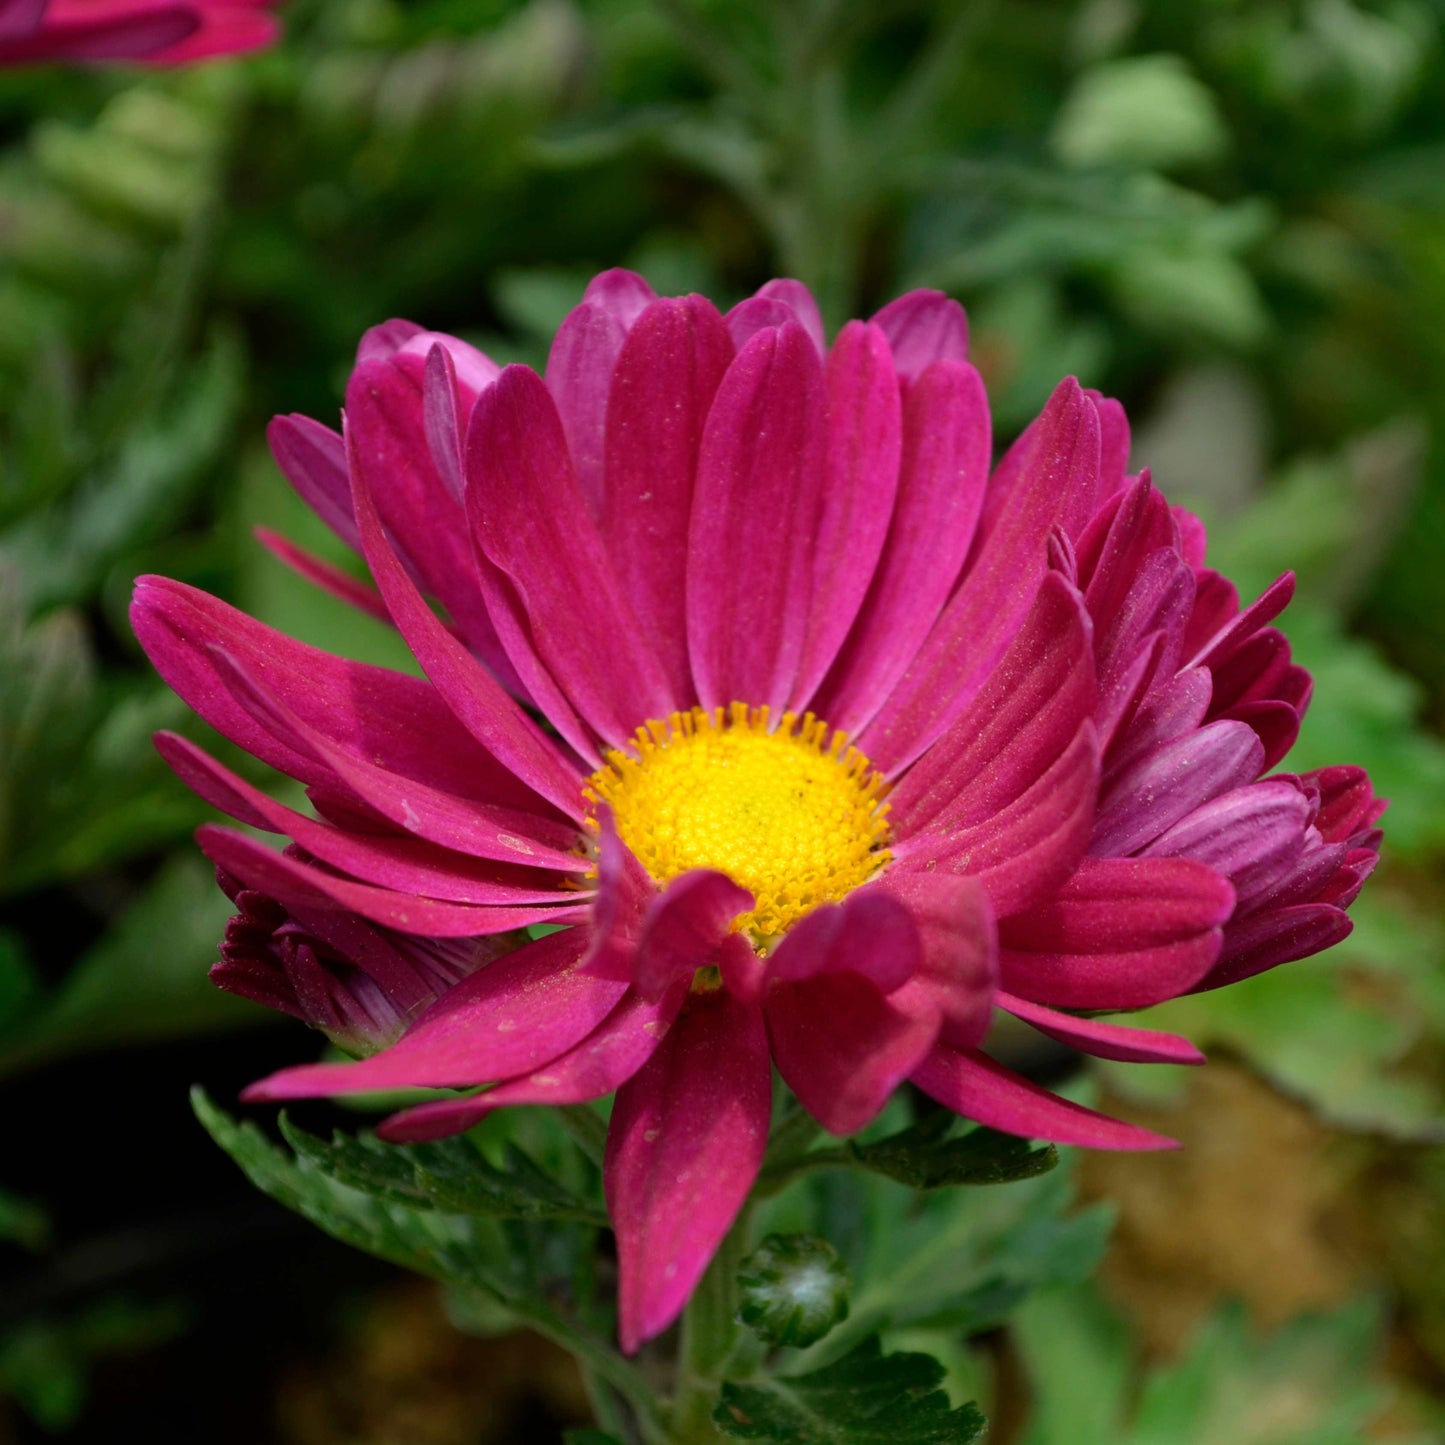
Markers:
<point>709,1330</point>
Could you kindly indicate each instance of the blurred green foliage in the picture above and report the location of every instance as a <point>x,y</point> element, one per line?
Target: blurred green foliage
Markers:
<point>1231,214</point>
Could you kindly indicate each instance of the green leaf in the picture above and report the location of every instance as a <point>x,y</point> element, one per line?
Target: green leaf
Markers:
<point>1312,1382</point>
<point>589,1437</point>
<point>866,1396</point>
<point>924,1157</point>
<point>451,1176</point>
<point>23,1222</point>
<point>793,1288</point>
<point>420,1238</point>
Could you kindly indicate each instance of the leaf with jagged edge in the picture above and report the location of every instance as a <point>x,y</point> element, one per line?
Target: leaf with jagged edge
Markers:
<point>864,1397</point>
<point>926,1157</point>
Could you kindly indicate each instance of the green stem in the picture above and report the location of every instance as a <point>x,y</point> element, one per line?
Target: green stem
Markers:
<point>709,1330</point>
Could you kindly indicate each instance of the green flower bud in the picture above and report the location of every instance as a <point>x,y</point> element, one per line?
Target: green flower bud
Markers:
<point>794,1288</point>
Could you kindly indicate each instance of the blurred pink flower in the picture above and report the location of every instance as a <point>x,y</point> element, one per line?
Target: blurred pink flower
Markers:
<point>155,32</point>
<point>1039,786</point>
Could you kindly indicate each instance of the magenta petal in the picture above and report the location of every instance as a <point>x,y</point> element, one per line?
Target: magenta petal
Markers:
<point>530,523</point>
<point>1145,800</point>
<point>923,327</point>
<point>685,1143</point>
<point>312,458</point>
<point>1103,1040</point>
<point>442,818</point>
<point>1025,715</point>
<point>293,882</point>
<point>610,1055</point>
<point>387,443</point>
<point>974,1085</point>
<point>684,928</point>
<point>1231,634</point>
<point>843,1047</point>
<point>667,375</point>
<point>400,723</point>
<point>404,864</point>
<point>508,1018</point>
<point>1043,477</point>
<point>479,702</point>
<point>1280,935</point>
<point>958,964</point>
<point>339,584</point>
<point>871,933</point>
<point>753,519</point>
<point>802,303</point>
<point>579,371</point>
<point>1122,933</point>
<point>860,481</point>
<point>943,470</point>
<point>623,892</point>
<point>1026,850</point>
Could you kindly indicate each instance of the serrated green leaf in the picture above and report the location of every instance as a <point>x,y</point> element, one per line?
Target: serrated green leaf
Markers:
<point>924,1157</point>
<point>451,1176</point>
<point>865,1396</point>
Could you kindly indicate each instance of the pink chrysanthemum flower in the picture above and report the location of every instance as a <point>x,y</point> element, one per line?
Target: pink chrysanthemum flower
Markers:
<point>821,737</point>
<point>154,32</point>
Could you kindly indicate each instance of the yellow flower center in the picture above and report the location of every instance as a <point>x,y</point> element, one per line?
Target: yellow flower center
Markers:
<point>791,813</point>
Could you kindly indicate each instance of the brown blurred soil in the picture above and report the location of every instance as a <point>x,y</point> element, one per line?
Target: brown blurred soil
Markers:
<point>406,1376</point>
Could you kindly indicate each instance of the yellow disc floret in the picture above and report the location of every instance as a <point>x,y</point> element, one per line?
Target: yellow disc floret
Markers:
<point>792,813</point>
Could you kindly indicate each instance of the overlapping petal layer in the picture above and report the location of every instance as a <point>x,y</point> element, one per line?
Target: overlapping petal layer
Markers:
<point>699,523</point>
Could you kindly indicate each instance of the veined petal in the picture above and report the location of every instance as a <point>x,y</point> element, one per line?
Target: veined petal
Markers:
<point>923,327</point>
<point>303,885</point>
<point>605,1060</point>
<point>667,374</point>
<point>403,864</point>
<point>860,481</point>
<point>979,1088</point>
<point>1043,476</point>
<point>753,518</point>
<point>508,1018</point>
<point>1122,933</point>
<point>943,470</point>
<point>479,702</point>
<point>531,525</point>
<point>1103,1040</point>
<point>685,1143</point>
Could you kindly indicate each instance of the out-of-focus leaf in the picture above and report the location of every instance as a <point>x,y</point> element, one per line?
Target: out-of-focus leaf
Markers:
<point>865,1396</point>
<point>23,1221</point>
<point>144,979</point>
<point>1309,1383</point>
<point>1146,110</point>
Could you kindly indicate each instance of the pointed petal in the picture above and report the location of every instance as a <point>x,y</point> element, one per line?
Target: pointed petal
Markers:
<point>398,722</point>
<point>753,517</point>
<point>1043,476</point>
<point>292,881</point>
<point>479,702</point>
<point>1103,1040</point>
<point>943,470</point>
<point>685,1143</point>
<point>530,523</point>
<point>860,481</point>
<point>610,1055</point>
<point>312,458</point>
<point>1281,935</point>
<point>923,327</point>
<point>1122,933</point>
<point>662,389</point>
<point>508,1018</point>
<point>974,1085</point>
<point>319,573</point>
